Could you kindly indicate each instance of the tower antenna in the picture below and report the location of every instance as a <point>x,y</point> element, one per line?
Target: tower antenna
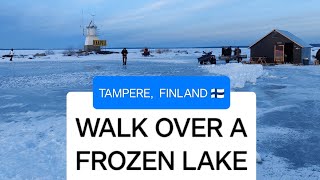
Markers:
<point>93,15</point>
<point>82,23</point>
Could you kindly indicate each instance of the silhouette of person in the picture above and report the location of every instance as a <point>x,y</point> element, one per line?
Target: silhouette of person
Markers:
<point>124,53</point>
<point>11,54</point>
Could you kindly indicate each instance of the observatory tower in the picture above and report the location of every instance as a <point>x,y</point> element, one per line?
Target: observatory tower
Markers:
<point>91,35</point>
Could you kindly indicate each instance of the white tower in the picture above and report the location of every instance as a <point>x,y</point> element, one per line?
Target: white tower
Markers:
<point>91,35</point>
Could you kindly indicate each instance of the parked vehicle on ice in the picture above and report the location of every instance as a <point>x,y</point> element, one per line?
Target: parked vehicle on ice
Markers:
<point>207,58</point>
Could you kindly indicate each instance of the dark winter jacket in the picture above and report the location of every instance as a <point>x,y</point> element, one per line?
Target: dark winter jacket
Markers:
<point>223,51</point>
<point>229,51</point>
<point>318,55</point>
<point>237,52</point>
<point>124,52</point>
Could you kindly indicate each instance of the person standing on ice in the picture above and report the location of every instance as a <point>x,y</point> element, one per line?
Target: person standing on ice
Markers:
<point>237,53</point>
<point>11,54</point>
<point>124,53</point>
<point>229,51</point>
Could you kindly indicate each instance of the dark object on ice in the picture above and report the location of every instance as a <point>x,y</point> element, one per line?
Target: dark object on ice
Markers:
<point>227,54</point>
<point>318,55</point>
<point>69,52</point>
<point>11,54</point>
<point>281,47</point>
<point>146,52</point>
<point>223,51</point>
<point>229,51</point>
<point>226,51</point>
<point>207,58</point>
<point>182,52</point>
<point>161,51</point>
<point>40,55</point>
<point>124,53</point>
<point>107,52</point>
<point>237,53</point>
<point>82,53</point>
<point>8,56</point>
<point>233,57</point>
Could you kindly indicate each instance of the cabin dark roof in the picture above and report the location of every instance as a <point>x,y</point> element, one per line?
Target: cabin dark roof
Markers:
<point>290,36</point>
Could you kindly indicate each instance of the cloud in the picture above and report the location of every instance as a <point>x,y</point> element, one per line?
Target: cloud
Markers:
<point>154,6</point>
<point>137,14</point>
<point>204,5</point>
<point>160,15</point>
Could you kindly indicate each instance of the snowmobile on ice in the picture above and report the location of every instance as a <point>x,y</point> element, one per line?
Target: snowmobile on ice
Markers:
<point>207,58</point>
<point>146,52</point>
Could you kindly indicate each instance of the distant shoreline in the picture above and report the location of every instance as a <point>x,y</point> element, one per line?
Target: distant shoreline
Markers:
<point>128,48</point>
<point>204,47</point>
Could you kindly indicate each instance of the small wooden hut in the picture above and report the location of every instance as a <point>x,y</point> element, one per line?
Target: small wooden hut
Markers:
<point>281,47</point>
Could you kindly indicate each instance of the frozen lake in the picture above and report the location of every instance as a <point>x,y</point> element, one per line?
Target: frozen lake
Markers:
<point>33,102</point>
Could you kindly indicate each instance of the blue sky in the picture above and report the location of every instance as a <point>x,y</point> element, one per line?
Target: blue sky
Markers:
<point>154,23</point>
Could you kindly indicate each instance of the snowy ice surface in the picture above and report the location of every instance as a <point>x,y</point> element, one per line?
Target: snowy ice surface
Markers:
<point>33,92</point>
<point>239,74</point>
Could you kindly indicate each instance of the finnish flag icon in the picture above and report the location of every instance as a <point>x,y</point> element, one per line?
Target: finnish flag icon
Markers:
<point>217,93</point>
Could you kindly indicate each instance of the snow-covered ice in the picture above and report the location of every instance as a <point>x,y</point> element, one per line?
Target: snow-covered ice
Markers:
<point>33,94</point>
<point>239,74</point>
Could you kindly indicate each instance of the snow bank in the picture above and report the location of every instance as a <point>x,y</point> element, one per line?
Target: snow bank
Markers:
<point>239,74</point>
